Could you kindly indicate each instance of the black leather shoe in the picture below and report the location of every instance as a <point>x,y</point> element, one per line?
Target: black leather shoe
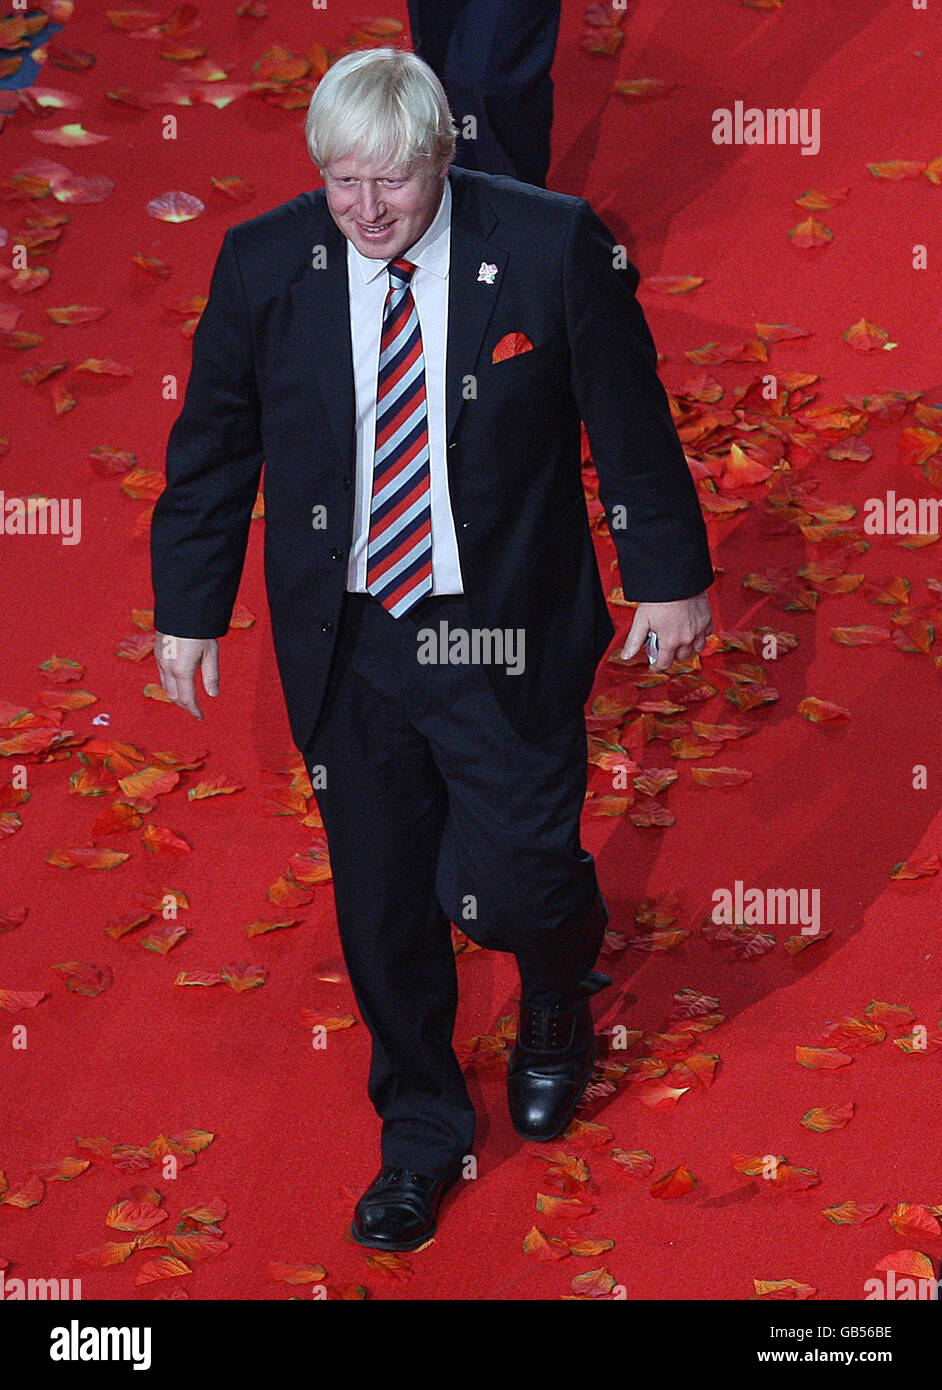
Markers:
<point>399,1210</point>
<point>551,1062</point>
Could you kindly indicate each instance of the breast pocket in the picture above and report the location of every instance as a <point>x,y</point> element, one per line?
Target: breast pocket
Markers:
<point>537,355</point>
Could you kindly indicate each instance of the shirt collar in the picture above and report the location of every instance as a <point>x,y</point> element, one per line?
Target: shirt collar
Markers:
<point>430,252</point>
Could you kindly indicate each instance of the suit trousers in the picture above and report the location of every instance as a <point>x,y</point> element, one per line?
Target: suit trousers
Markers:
<point>436,811</point>
<point>494,57</point>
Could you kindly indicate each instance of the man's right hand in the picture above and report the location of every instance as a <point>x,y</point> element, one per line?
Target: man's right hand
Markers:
<point>177,660</point>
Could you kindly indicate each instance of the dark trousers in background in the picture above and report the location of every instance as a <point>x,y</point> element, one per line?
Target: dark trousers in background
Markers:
<point>493,57</point>
<point>436,811</point>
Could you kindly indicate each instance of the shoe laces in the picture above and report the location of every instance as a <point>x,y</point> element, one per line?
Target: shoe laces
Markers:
<point>546,1026</point>
<point>395,1177</point>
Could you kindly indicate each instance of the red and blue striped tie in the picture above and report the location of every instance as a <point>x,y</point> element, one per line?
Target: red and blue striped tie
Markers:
<point>399,549</point>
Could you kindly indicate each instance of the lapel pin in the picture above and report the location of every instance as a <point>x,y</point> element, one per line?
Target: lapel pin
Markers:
<point>486,273</point>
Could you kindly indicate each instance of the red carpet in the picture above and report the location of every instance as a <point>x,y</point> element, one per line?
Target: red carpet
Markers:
<point>829,804</point>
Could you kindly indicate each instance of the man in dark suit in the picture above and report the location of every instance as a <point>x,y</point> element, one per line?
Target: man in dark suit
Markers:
<point>410,351</point>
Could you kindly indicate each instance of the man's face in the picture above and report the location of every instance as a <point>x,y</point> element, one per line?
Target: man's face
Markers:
<point>383,210</point>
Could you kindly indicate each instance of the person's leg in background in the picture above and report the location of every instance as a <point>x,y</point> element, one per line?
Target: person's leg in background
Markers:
<point>433,24</point>
<point>494,57</point>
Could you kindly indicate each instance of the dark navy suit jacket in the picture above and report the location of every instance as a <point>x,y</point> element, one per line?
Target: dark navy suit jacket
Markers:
<point>272,381</point>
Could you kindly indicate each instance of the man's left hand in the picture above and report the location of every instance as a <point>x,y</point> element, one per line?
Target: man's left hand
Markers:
<point>682,627</point>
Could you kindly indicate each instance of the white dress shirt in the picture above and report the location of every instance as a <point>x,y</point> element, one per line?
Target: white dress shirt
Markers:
<point>368,281</point>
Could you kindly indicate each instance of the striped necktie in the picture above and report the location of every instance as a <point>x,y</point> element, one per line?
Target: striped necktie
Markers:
<point>399,548</point>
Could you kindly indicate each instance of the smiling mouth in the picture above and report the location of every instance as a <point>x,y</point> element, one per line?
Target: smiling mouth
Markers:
<point>377,227</point>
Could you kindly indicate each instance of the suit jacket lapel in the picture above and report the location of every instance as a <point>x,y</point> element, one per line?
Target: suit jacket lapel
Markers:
<point>471,299</point>
<point>320,319</point>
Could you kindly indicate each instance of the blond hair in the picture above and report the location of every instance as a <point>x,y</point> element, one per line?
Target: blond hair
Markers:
<point>384,104</point>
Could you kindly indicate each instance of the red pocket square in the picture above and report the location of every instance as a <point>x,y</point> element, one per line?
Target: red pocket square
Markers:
<point>511,345</point>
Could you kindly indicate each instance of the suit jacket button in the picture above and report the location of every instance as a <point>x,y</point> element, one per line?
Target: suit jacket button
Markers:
<point>327,627</point>
<point>336,554</point>
<point>346,482</point>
